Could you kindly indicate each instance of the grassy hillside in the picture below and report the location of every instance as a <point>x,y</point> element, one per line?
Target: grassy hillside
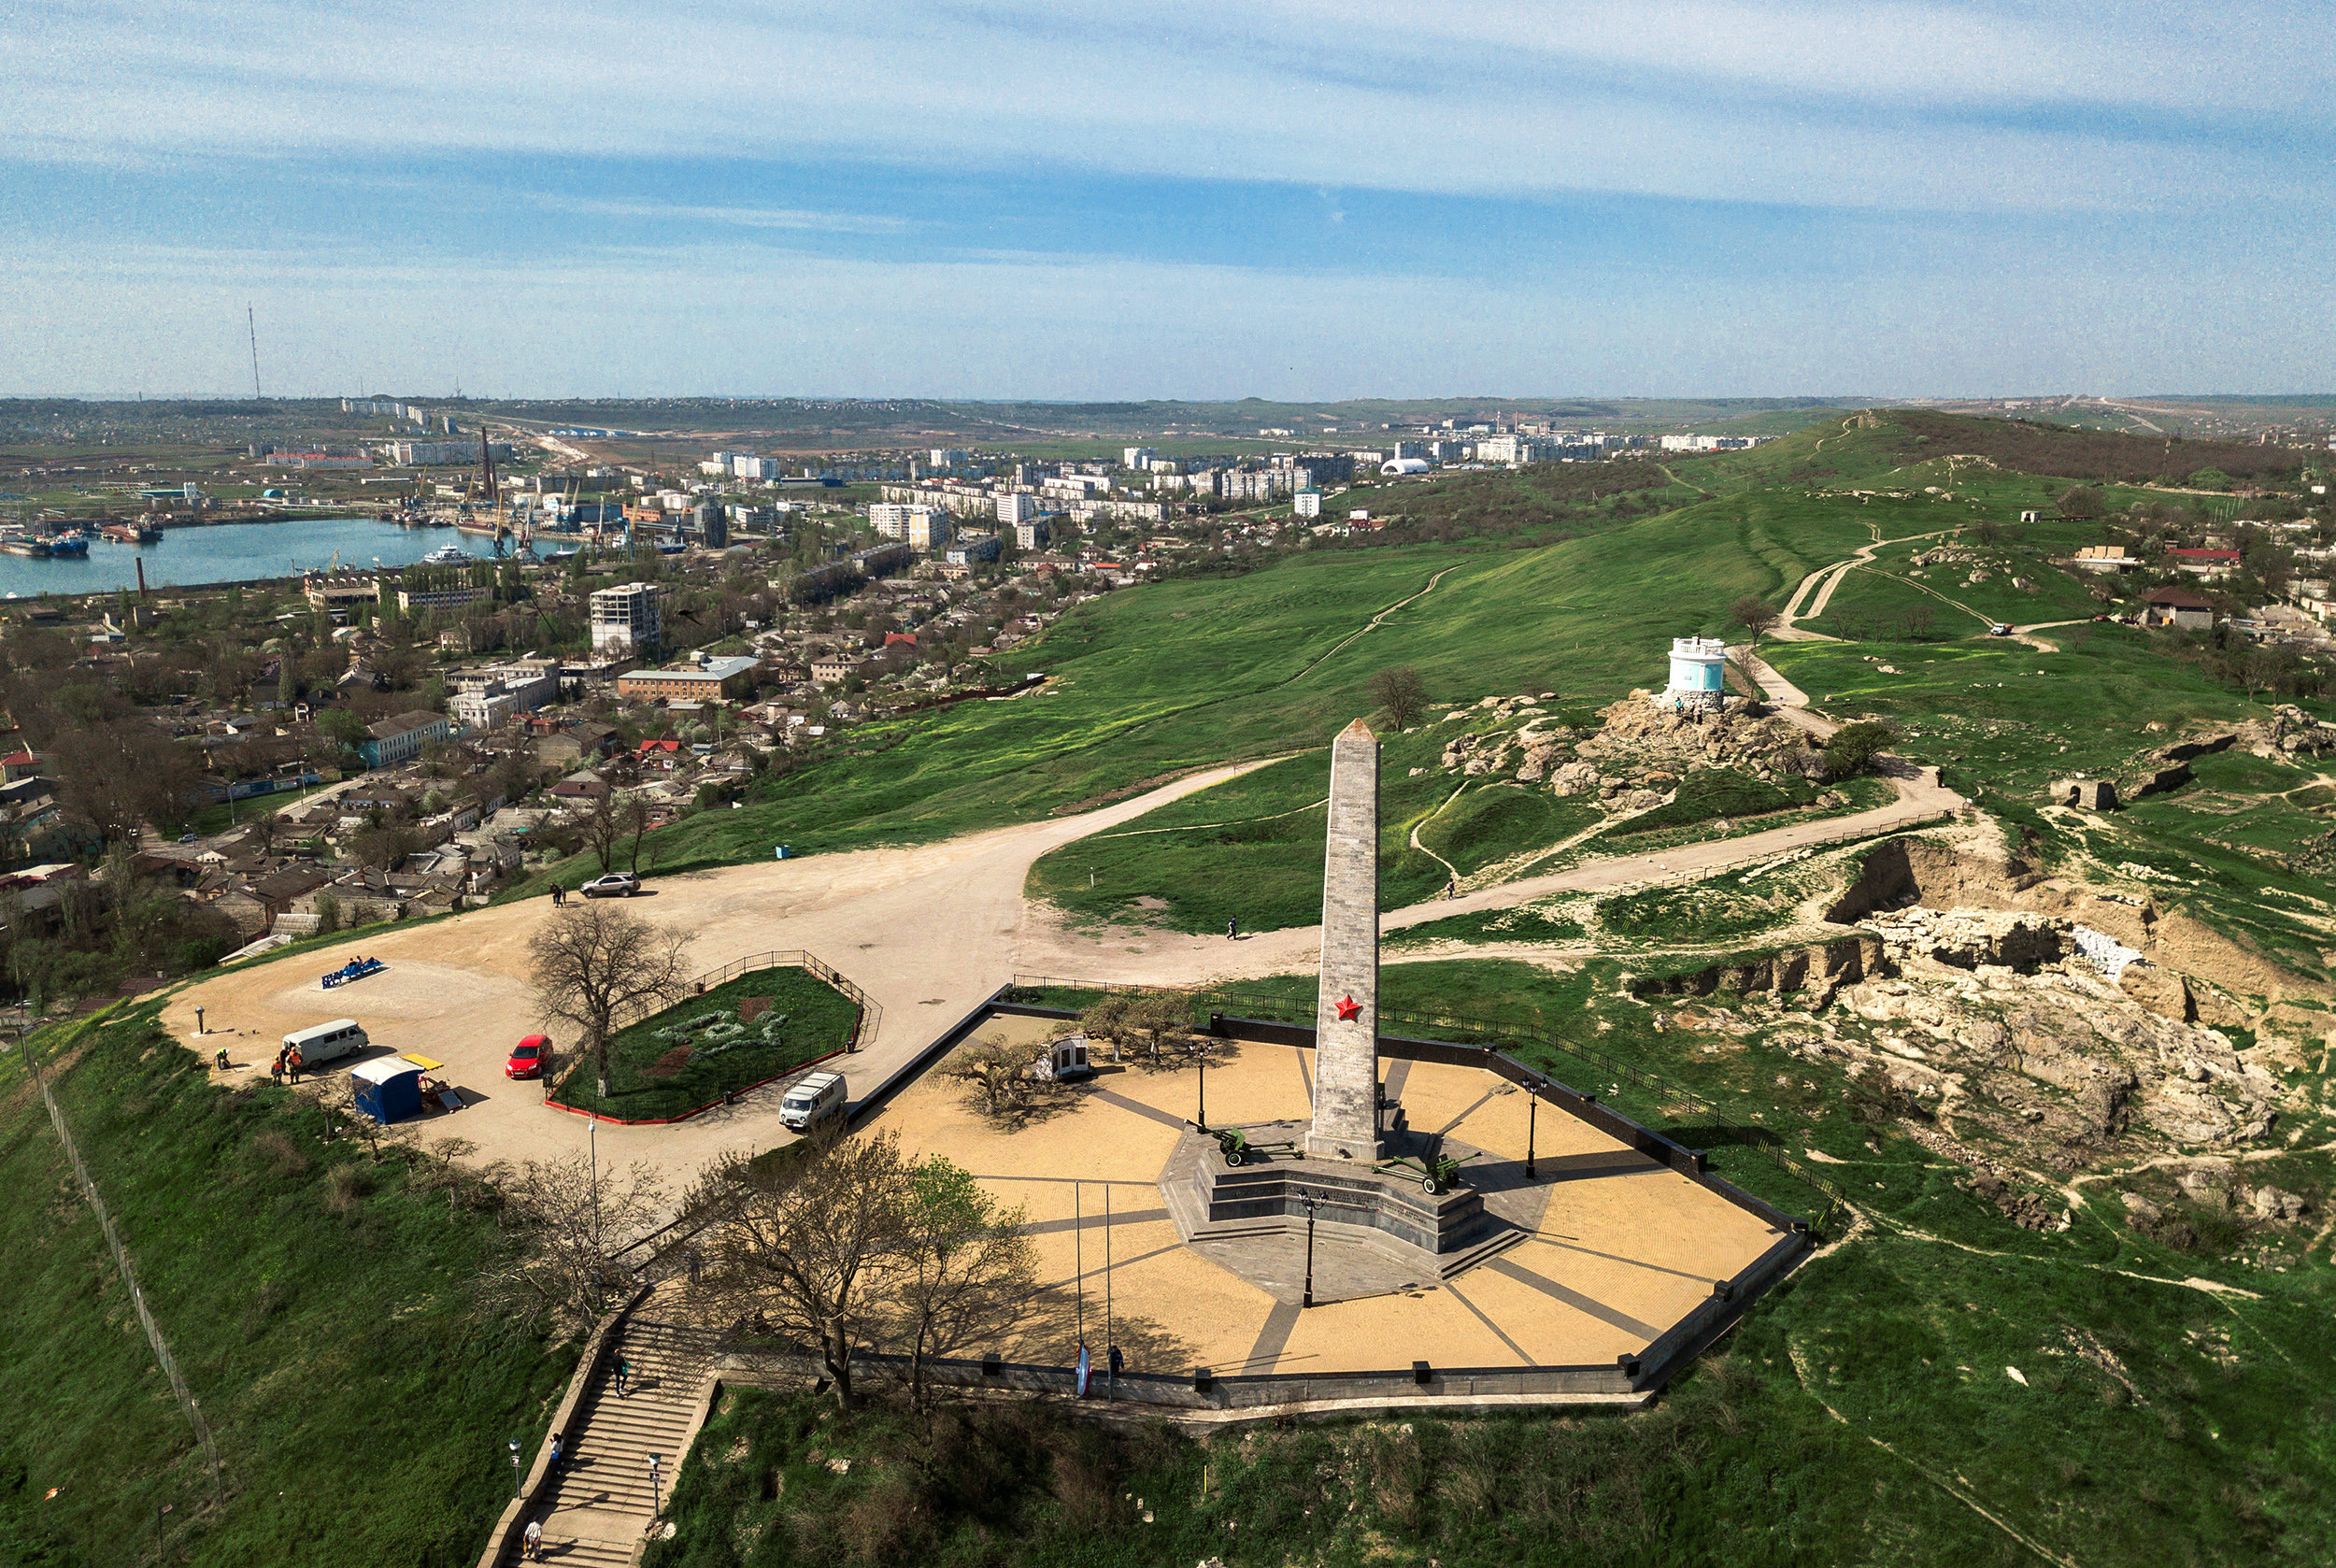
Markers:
<point>1179,675</point>
<point>319,1301</point>
<point>1878,443</point>
<point>1867,1412</point>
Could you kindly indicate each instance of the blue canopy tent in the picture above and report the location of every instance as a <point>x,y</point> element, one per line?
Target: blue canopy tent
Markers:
<point>388,1089</point>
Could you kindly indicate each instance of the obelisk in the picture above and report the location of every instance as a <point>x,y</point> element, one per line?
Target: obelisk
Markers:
<point>1345,1121</point>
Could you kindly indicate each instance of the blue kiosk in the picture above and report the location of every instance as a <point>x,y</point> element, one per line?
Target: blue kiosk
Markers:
<point>388,1089</point>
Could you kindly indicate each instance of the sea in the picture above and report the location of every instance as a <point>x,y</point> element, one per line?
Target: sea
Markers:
<point>233,552</point>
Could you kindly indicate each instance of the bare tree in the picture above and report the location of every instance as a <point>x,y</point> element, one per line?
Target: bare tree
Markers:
<point>810,1246</point>
<point>594,961</point>
<point>569,1209</point>
<point>1754,614</point>
<point>635,815</point>
<point>964,1273</point>
<point>603,826</point>
<point>1403,693</point>
<point>997,1073</point>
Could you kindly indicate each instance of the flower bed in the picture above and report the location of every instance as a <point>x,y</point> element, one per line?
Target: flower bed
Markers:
<point>687,1057</point>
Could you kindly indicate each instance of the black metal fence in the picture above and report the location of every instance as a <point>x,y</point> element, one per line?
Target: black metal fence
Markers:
<point>1465,1026</point>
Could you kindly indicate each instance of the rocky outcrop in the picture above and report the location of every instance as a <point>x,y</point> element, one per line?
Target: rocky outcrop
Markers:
<point>2291,732</point>
<point>1822,967</point>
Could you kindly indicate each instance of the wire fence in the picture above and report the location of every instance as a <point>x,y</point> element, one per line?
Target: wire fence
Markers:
<point>1461,1025</point>
<point>168,1362</point>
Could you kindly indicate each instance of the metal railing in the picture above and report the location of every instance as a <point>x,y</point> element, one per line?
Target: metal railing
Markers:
<point>1203,1388</point>
<point>865,1029</point>
<point>1267,1003</point>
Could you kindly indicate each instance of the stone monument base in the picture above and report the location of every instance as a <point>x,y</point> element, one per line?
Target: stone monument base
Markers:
<point>1376,1232</point>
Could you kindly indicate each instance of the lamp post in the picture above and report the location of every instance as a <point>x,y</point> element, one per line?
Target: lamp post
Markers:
<point>1312,1203</point>
<point>1201,1052</point>
<point>1532,1105</point>
<point>655,1505</point>
<point>513,1445</point>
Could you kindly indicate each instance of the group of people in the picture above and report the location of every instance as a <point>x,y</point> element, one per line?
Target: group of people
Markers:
<point>288,1061</point>
<point>559,896</point>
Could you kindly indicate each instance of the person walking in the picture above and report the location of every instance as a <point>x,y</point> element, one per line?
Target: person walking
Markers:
<point>624,1372</point>
<point>533,1541</point>
<point>1232,930</point>
<point>555,1453</point>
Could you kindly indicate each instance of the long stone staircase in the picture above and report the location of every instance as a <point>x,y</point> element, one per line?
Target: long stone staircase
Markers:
<point>599,1510</point>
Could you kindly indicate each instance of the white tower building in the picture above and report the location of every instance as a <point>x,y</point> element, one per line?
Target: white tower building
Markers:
<point>1698,672</point>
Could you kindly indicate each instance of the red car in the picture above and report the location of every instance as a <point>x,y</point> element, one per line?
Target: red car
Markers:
<point>528,1057</point>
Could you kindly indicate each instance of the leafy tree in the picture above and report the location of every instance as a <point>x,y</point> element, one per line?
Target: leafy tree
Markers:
<point>962,1274</point>
<point>594,961</point>
<point>1402,692</point>
<point>2080,501</point>
<point>806,1246</point>
<point>1854,747</point>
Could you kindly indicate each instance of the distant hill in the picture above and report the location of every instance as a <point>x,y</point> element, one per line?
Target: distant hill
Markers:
<point>1871,444</point>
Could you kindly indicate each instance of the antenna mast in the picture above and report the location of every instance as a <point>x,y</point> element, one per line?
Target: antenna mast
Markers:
<point>250,325</point>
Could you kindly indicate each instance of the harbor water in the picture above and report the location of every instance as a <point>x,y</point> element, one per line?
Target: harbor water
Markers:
<point>233,552</point>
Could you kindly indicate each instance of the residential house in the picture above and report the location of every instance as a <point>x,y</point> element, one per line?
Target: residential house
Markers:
<point>582,785</point>
<point>576,743</point>
<point>2203,562</point>
<point>2177,607</point>
<point>2104,557</point>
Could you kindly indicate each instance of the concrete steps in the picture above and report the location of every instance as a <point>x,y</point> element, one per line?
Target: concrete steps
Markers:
<point>601,1505</point>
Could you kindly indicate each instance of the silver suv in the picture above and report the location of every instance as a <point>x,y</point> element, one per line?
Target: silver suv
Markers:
<point>616,884</point>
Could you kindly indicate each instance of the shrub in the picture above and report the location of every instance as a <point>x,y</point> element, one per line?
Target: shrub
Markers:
<point>1853,748</point>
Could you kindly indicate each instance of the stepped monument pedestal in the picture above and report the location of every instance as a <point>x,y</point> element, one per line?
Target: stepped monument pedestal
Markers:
<point>1385,1211</point>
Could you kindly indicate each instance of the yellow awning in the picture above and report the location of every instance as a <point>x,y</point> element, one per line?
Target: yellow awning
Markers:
<point>421,1061</point>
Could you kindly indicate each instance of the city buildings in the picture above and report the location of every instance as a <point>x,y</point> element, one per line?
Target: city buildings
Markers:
<point>624,620</point>
<point>400,739</point>
<point>1307,503</point>
<point>707,681</point>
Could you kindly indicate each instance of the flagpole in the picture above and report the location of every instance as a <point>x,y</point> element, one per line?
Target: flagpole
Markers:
<point>1078,1267</point>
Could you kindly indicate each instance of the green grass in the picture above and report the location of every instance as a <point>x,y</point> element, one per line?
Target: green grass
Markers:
<point>2158,1420</point>
<point>1525,923</point>
<point>820,1021</point>
<point>1716,910</point>
<point>319,1301</point>
<point>222,815</point>
<point>1159,679</point>
<point>1708,793</point>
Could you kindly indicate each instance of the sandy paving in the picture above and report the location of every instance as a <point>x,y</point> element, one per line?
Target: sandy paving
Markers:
<point>929,930</point>
<point>1625,1249</point>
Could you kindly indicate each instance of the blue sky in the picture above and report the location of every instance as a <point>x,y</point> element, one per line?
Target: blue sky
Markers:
<point>1104,200</point>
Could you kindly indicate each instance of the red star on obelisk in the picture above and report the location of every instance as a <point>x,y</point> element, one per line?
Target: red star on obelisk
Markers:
<point>1348,1009</point>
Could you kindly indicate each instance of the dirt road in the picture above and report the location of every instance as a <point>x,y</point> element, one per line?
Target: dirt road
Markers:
<point>927,930</point>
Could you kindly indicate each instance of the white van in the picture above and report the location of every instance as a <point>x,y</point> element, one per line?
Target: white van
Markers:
<point>818,1096</point>
<point>327,1042</point>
